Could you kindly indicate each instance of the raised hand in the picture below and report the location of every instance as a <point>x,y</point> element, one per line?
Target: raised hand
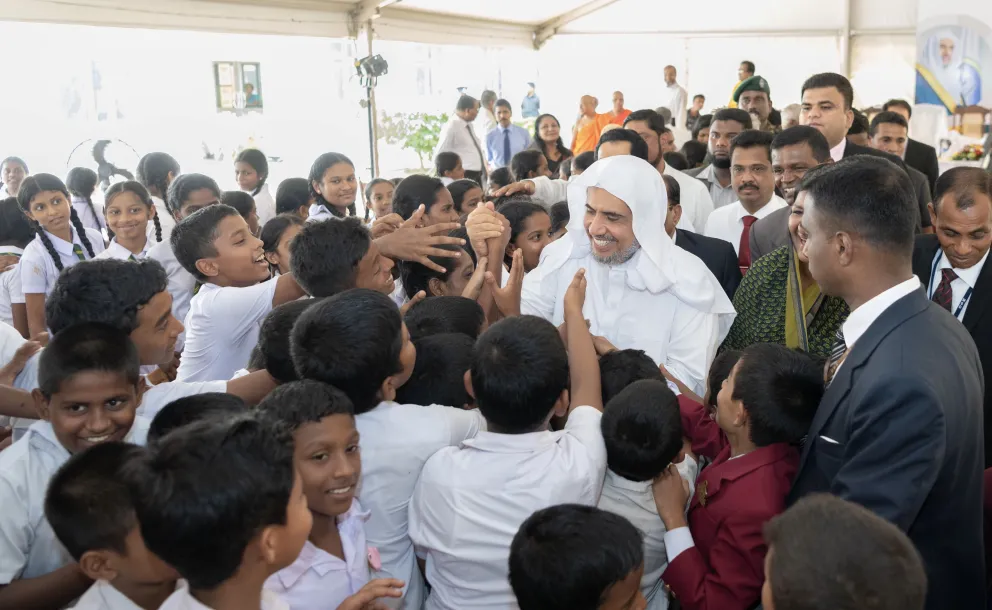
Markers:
<point>482,225</point>
<point>575,296</point>
<point>475,283</point>
<point>507,297</point>
<point>420,296</point>
<point>386,225</point>
<point>524,186</point>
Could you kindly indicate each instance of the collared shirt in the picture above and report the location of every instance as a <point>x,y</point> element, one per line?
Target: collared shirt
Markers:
<point>471,500</point>
<point>222,328</point>
<point>165,219</point>
<point>695,198</point>
<point>156,397</point>
<point>319,211</point>
<point>181,282</point>
<point>103,596</point>
<point>487,123</point>
<point>115,250</point>
<point>182,599</point>
<point>265,205</point>
<point>10,287</point>
<point>397,440</point>
<point>863,317</point>
<point>634,500</point>
<point>727,223</point>
<point>318,580</point>
<point>675,99</point>
<point>519,140</point>
<point>721,195</point>
<point>28,546</point>
<point>530,107</point>
<point>457,136</point>
<point>38,270</point>
<point>967,279</point>
<point>837,152</point>
<point>86,215</point>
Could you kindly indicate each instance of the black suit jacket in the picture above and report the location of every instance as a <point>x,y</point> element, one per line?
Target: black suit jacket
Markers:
<point>718,255</point>
<point>904,412</point>
<point>977,318</point>
<point>924,158</point>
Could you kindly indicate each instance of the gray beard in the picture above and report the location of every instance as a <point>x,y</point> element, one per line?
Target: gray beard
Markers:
<point>619,257</point>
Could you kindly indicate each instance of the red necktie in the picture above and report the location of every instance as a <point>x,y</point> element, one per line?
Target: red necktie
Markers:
<point>942,295</point>
<point>744,252</point>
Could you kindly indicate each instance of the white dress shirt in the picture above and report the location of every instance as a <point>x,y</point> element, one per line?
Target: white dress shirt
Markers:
<point>486,124</point>
<point>457,136</point>
<point>863,317</point>
<point>396,442</point>
<point>28,546</point>
<point>837,152</point>
<point>727,223</point>
<point>319,211</point>
<point>222,328</point>
<point>182,599</point>
<point>10,287</point>
<point>675,99</point>
<point>471,500</point>
<point>115,250</point>
<point>156,397</point>
<point>695,198</point>
<point>164,218</point>
<point>318,580</point>
<point>265,205</point>
<point>86,216</point>
<point>38,270</point>
<point>721,195</point>
<point>967,280</point>
<point>634,500</point>
<point>180,282</point>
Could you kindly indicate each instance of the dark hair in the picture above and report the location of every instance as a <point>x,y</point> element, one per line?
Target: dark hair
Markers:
<point>81,182</point>
<point>107,291</point>
<point>887,117</point>
<point>369,324</point>
<point>193,238</point>
<point>325,255</point>
<point>964,183</point>
<point>458,189</point>
<point>525,163</point>
<point>898,104</point>
<point>256,159</point>
<point>620,368</point>
<point>295,404</point>
<point>780,389</point>
<point>831,554</point>
<point>803,134</point>
<point>292,194</point>
<point>139,191</point>
<point>416,277</point>
<point>88,504</point>
<point>517,213</point>
<point>320,166</point>
<point>444,315</point>
<point>827,80</point>
<point>414,191</point>
<point>17,160</point>
<point>638,147</point>
<point>501,103</point>
<point>39,183</point>
<point>859,125</point>
<point>869,196</point>
<point>559,216</point>
<point>655,121</point>
<point>733,114</point>
<point>193,408</point>
<point>15,227</point>
<point>519,371</point>
<point>86,347</point>
<point>583,161</point>
<point>500,177</point>
<point>368,193</point>
<point>567,557</point>
<point>443,162</point>
<point>208,489</point>
<point>466,102</point>
<point>694,153</point>
<point>439,375</point>
<point>677,160</point>
<point>538,143</point>
<point>153,172</point>
<point>274,343</point>
<point>273,230</point>
<point>185,185</point>
<point>749,65</point>
<point>719,371</point>
<point>240,201</point>
<point>752,138</point>
<point>642,429</point>
<point>702,122</point>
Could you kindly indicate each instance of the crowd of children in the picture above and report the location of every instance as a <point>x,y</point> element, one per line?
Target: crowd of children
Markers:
<point>246,402</point>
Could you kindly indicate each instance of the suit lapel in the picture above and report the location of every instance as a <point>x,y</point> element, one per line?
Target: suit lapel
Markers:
<point>980,299</point>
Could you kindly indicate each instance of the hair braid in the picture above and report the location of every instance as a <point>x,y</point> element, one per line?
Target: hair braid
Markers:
<point>48,245</point>
<point>89,203</point>
<point>158,228</point>
<point>81,230</point>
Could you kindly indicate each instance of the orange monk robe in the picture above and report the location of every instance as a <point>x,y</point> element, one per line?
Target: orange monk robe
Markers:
<point>587,137</point>
<point>618,119</point>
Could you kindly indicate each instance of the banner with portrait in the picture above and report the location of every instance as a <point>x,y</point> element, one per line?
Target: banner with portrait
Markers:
<point>954,53</point>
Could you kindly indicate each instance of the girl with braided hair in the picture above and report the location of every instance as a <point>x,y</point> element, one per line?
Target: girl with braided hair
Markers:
<point>129,212</point>
<point>156,171</point>
<point>81,182</point>
<point>61,241</point>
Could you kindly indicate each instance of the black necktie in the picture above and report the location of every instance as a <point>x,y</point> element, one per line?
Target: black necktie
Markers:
<point>942,295</point>
<point>482,157</point>
<point>506,146</point>
<point>836,356</point>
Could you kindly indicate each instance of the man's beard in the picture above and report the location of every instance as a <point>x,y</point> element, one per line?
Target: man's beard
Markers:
<point>620,256</point>
<point>721,162</point>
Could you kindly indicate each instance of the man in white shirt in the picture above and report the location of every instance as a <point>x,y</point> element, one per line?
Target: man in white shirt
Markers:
<point>643,293</point>
<point>674,97</point>
<point>459,137</point>
<point>754,183</point>
<point>489,120</point>
<point>727,124</point>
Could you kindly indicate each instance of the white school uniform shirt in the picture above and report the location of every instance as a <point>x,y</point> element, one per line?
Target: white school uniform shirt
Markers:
<point>180,282</point>
<point>10,287</point>
<point>265,205</point>
<point>634,500</point>
<point>182,599</point>
<point>222,328</point>
<point>38,270</point>
<point>156,397</point>
<point>471,500</point>
<point>318,580</point>
<point>103,596</point>
<point>86,215</point>
<point>319,211</point>
<point>967,280</point>
<point>396,442</point>
<point>695,198</point>
<point>28,546</point>
<point>115,250</point>
<point>164,218</point>
<point>727,223</point>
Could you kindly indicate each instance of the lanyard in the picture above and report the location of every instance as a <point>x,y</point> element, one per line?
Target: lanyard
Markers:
<point>933,276</point>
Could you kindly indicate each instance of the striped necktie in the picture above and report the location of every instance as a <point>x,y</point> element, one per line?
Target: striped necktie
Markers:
<point>78,251</point>
<point>131,258</point>
<point>837,353</point>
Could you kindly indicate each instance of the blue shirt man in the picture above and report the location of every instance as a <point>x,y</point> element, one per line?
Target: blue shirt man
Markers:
<point>507,139</point>
<point>531,106</point>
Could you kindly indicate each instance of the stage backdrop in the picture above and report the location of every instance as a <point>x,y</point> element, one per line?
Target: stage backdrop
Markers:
<point>954,53</point>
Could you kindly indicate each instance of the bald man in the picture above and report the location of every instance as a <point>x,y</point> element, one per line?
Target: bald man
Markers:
<point>585,133</point>
<point>674,96</point>
<point>618,114</point>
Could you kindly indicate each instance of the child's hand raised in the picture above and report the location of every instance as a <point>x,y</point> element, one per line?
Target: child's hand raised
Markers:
<point>482,225</point>
<point>386,225</point>
<point>368,596</point>
<point>671,492</point>
<point>475,283</point>
<point>507,297</point>
<point>420,296</point>
<point>575,296</point>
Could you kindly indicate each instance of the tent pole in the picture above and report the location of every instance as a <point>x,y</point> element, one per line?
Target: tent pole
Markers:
<point>374,114</point>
